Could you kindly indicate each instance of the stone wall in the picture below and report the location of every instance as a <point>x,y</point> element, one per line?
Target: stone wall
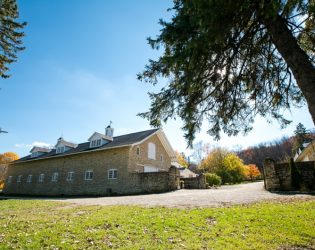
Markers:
<point>100,162</point>
<point>198,182</point>
<point>278,176</point>
<point>155,182</point>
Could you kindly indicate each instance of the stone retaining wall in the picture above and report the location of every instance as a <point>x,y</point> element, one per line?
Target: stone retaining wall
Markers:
<point>195,182</point>
<point>278,177</point>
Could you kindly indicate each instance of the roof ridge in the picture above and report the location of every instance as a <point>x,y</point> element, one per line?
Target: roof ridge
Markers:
<point>137,132</point>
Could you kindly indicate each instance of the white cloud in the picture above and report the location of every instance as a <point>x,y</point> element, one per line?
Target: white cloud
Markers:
<point>38,144</point>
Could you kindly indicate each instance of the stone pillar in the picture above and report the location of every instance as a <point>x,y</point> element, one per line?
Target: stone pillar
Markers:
<point>272,181</point>
<point>202,181</point>
<point>173,178</point>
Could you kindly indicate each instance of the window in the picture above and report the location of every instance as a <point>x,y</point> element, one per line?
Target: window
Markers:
<point>70,176</point>
<point>34,154</point>
<point>161,158</point>
<point>9,179</point>
<point>112,174</point>
<point>89,175</point>
<point>151,152</point>
<point>54,177</point>
<point>41,177</point>
<point>29,178</point>
<point>19,178</point>
<point>138,150</point>
<point>96,143</point>
<point>60,150</point>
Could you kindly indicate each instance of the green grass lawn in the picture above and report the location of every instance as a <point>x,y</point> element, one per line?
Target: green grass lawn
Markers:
<point>28,224</point>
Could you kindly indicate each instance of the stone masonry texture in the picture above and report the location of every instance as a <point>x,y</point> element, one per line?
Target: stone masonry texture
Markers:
<point>278,176</point>
<point>129,166</point>
<point>198,182</point>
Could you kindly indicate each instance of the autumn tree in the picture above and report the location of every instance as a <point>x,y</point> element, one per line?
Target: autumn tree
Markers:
<point>226,164</point>
<point>253,171</point>
<point>182,159</point>
<point>230,60</point>
<point>10,37</point>
<point>279,149</point>
<point>4,160</point>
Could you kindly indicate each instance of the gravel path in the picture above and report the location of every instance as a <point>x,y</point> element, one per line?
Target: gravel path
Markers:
<point>188,198</point>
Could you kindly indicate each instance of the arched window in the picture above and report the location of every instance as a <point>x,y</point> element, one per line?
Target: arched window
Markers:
<point>151,151</point>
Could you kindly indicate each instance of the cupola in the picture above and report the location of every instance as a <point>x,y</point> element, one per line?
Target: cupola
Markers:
<point>109,131</point>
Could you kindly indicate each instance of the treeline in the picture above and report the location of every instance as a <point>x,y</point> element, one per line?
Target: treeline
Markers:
<point>279,150</point>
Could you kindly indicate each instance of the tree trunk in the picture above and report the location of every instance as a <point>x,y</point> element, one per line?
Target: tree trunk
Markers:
<point>295,57</point>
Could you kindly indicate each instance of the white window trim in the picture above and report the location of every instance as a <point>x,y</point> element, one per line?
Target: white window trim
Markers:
<point>112,174</point>
<point>89,177</point>
<point>19,178</point>
<point>9,179</point>
<point>70,176</point>
<point>41,177</point>
<point>96,143</point>
<point>152,152</point>
<point>138,151</point>
<point>54,177</point>
<point>29,178</point>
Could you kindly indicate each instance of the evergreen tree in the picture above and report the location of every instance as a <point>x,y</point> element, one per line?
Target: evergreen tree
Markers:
<point>300,137</point>
<point>229,60</point>
<point>10,38</point>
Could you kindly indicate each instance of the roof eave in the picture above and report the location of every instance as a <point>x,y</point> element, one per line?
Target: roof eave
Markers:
<point>62,155</point>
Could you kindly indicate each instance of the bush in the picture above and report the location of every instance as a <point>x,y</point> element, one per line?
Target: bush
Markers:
<point>236,177</point>
<point>296,177</point>
<point>213,179</point>
<point>226,176</point>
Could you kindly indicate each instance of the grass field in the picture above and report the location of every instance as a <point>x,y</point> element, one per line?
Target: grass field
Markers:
<point>28,224</point>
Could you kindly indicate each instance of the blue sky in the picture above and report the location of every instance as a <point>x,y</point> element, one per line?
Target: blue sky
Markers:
<point>78,72</point>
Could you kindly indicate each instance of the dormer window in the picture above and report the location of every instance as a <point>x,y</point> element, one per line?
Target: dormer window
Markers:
<point>96,143</point>
<point>60,150</point>
<point>38,151</point>
<point>97,140</point>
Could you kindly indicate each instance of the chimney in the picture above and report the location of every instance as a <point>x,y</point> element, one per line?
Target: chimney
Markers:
<point>109,131</point>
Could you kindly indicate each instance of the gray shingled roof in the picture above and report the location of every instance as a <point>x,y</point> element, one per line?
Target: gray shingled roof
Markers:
<point>67,144</point>
<point>43,150</point>
<point>118,141</point>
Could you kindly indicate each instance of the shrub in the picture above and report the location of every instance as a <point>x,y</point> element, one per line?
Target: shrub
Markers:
<point>225,176</point>
<point>213,179</point>
<point>296,177</point>
<point>236,177</point>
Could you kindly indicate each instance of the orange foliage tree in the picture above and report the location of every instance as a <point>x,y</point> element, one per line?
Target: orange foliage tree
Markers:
<point>4,160</point>
<point>182,159</point>
<point>253,171</point>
